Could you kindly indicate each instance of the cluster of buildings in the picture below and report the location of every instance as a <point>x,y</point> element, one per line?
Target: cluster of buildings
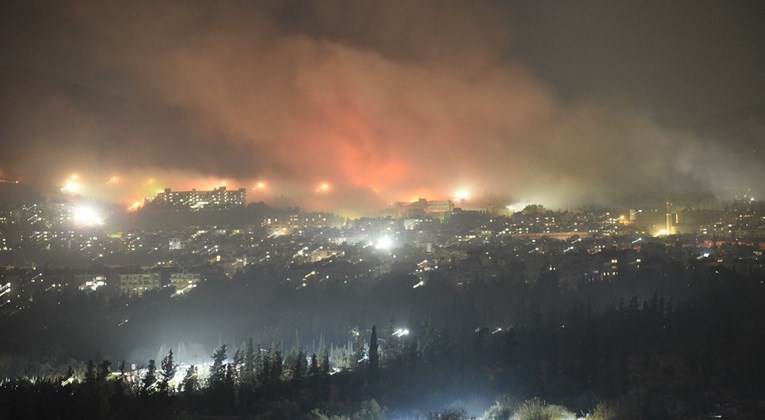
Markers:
<point>218,199</point>
<point>137,283</point>
<point>424,240</point>
<point>24,286</point>
<point>421,208</point>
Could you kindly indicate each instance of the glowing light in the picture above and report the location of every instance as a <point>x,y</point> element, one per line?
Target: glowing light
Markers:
<point>135,206</point>
<point>71,186</point>
<point>385,243</point>
<point>112,180</point>
<point>400,332</point>
<point>94,284</point>
<point>87,216</point>
<point>324,187</point>
<point>260,186</point>
<point>462,195</point>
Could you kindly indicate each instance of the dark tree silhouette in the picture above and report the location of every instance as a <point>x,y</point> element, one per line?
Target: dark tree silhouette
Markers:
<point>374,359</point>
<point>149,379</point>
<point>168,372</point>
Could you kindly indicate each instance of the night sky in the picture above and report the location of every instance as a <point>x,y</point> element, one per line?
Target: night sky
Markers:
<point>563,103</point>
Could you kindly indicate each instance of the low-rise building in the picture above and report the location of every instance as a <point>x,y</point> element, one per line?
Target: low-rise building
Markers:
<point>184,281</point>
<point>135,284</point>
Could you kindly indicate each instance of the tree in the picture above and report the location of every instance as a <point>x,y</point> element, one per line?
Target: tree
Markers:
<point>325,373</point>
<point>249,365</point>
<point>536,409</point>
<point>220,380</point>
<point>218,368</point>
<point>150,378</point>
<point>168,372</point>
<point>121,380</point>
<point>90,372</point>
<point>313,367</point>
<point>298,367</point>
<point>390,344</point>
<point>247,374</point>
<point>237,366</point>
<point>104,369</point>
<point>324,362</point>
<point>277,366</point>
<point>227,390</point>
<point>370,410</point>
<point>190,383</point>
<point>374,359</point>
<point>314,376</point>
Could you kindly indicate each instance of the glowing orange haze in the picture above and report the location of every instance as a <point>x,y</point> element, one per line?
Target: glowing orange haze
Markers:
<point>132,189</point>
<point>383,102</point>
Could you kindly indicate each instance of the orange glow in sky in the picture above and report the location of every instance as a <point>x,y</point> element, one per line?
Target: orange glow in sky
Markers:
<point>323,187</point>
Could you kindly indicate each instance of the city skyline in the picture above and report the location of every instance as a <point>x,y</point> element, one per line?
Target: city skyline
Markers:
<point>347,209</point>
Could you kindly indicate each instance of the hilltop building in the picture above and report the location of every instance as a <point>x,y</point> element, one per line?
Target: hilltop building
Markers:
<point>217,199</point>
<point>422,208</point>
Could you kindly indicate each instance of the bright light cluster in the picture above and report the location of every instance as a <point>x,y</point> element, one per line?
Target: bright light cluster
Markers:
<point>462,195</point>
<point>400,332</point>
<point>71,186</point>
<point>385,243</point>
<point>324,187</point>
<point>94,284</point>
<point>85,215</point>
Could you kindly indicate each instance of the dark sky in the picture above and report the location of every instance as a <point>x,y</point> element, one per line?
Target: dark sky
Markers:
<point>554,102</point>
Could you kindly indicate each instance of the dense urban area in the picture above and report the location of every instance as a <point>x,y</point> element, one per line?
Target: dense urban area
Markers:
<point>197,304</point>
<point>382,209</point>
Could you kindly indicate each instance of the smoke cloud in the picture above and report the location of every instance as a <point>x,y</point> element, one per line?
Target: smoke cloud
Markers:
<point>383,102</point>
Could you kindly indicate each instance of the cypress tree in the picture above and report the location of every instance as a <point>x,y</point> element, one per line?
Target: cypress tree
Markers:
<point>374,359</point>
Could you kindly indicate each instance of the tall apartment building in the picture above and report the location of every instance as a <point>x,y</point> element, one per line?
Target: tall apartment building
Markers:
<point>217,199</point>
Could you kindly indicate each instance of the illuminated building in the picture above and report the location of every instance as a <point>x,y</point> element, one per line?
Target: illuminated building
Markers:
<point>184,281</point>
<point>93,284</point>
<point>423,207</point>
<point>217,199</point>
<point>175,244</point>
<point>136,284</point>
<point>61,213</point>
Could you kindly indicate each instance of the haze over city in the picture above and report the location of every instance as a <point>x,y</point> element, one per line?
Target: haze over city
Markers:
<point>385,101</point>
<point>404,209</point>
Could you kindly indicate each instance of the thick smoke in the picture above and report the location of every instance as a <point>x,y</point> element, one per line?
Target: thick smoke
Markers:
<point>383,101</point>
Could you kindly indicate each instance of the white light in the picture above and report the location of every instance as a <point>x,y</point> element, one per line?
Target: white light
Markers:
<point>462,195</point>
<point>399,332</point>
<point>70,187</point>
<point>87,216</point>
<point>384,243</point>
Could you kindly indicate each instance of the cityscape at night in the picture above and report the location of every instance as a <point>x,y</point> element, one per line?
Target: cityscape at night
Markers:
<point>291,209</point>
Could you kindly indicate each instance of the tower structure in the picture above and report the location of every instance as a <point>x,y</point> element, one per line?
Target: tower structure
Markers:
<point>669,218</point>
